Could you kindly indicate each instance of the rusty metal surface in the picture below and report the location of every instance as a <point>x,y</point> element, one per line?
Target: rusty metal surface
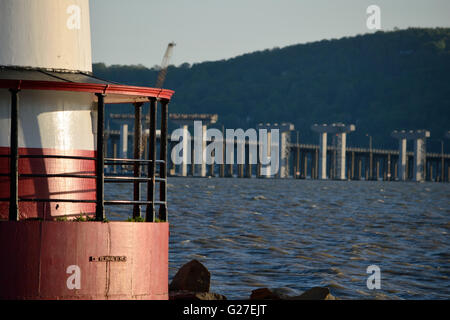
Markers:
<point>35,255</point>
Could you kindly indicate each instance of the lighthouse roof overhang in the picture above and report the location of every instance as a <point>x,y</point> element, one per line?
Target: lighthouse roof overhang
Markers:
<point>54,80</point>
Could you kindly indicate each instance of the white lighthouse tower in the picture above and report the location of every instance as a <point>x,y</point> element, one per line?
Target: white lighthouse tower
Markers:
<point>48,40</point>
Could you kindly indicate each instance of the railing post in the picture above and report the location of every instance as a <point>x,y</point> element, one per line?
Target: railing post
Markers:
<point>137,155</point>
<point>163,157</point>
<point>14,158</point>
<point>100,194</point>
<point>150,212</point>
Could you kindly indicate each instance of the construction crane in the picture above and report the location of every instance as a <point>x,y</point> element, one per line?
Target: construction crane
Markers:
<point>164,65</point>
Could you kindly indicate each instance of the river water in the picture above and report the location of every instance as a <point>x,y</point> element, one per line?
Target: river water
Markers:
<point>296,234</point>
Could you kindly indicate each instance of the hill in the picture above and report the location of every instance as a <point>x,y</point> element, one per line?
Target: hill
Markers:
<point>380,82</point>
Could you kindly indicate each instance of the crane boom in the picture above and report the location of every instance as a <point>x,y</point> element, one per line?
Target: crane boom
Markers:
<point>164,65</point>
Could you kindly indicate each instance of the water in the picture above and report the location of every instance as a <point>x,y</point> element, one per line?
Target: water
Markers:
<point>297,234</point>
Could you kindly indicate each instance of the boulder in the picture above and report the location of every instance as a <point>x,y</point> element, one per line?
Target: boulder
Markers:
<point>192,277</point>
<point>316,293</point>
<point>285,292</point>
<point>188,295</point>
<point>264,294</point>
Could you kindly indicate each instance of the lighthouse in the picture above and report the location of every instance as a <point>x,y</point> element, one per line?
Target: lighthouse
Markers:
<point>55,242</point>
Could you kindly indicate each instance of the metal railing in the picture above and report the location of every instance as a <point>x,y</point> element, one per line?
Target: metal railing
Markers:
<point>100,162</point>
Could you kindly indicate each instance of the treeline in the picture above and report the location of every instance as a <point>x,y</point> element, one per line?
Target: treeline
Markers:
<point>380,82</point>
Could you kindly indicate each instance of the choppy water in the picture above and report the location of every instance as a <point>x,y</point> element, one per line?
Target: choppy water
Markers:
<point>298,234</point>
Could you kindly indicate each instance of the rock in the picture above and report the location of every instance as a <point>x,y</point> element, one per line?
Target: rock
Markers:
<point>264,294</point>
<point>285,292</point>
<point>188,295</point>
<point>316,293</point>
<point>193,277</point>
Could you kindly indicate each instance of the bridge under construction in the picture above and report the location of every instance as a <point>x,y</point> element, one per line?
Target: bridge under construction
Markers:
<point>335,161</point>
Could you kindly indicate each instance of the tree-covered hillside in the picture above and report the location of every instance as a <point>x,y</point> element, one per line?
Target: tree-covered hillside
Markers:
<point>379,82</point>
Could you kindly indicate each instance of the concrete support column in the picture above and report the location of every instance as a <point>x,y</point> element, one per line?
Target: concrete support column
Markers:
<point>192,142</point>
<point>284,154</point>
<point>211,166</point>
<point>240,170</point>
<point>123,149</point>
<point>419,159</point>
<point>419,137</point>
<point>186,142</point>
<point>316,165</point>
<point>352,171</point>
<point>249,170</point>
<point>230,170</point>
<point>359,168</point>
<point>395,170</point>
<point>408,166</point>
<point>337,167</point>
<point>340,154</point>
<point>114,156</point>
<point>366,169</point>
<point>389,167</point>
<point>199,154</point>
<point>323,156</point>
<point>203,165</point>
<point>222,165</point>
<point>198,141</point>
<point>402,160</point>
<point>305,165</point>
<point>241,167</point>
<point>332,164</point>
<point>284,130</point>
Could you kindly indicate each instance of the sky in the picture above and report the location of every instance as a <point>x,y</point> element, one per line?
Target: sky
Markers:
<point>138,31</point>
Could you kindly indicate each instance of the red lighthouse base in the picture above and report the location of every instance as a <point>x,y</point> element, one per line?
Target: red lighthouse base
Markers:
<point>83,260</point>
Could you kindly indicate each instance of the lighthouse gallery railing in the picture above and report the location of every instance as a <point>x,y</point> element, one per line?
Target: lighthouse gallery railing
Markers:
<point>151,179</point>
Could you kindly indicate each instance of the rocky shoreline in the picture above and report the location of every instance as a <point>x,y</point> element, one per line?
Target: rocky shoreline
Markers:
<point>192,282</point>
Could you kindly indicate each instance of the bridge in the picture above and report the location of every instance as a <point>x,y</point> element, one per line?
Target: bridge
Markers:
<point>299,161</point>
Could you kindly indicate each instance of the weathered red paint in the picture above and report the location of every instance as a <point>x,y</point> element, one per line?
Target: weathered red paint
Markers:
<point>48,188</point>
<point>34,256</point>
<point>108,89</point>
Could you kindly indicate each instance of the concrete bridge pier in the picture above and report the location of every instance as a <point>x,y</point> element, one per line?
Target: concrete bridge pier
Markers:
<point>284,143</point>
<point>402,163</point>
<point>377,169</point>
<point>198,141</point>
<point>123,141</point>
<point>359,168</point>
<point>322,130</point>
<point>395,170</point>
<point>304,173</point>
<point>420,153</point>
<point>388,168</point>
<point>341,130</point>
<point>315,168</point>
<point>352,168</point>
<point>419,137</point>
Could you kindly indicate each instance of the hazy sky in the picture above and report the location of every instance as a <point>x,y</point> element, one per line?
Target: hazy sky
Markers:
<point>138,31</point>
